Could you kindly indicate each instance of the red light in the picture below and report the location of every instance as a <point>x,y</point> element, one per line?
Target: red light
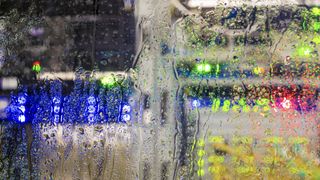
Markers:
<point>36,63</point>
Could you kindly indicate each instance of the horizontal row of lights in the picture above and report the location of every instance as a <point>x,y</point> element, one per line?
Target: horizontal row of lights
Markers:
<point>57,111</point>
<point>264,103</point>
<point>210,70</point>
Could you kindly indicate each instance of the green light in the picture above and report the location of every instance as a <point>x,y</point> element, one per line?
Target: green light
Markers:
<point>203,68</point>
<point>316,26</point>
<point>36,68</point>
<point>236,108</point>
<point>200,172</point>
<point>304,51</point>
<point>316,39</point>
<point>266,108</point>
<point>242,102</point>
<point>315,11</point>
<point>262,102</point>
<point>200,68</point>
<point>217,69</point>
<point>200,163</point>
<point>246,108</point>
<point>201,153</point>
<point>207,68</point>
<point>108,81</point>
<point>216,104</point>
<point>226,106</point>
<point>201,142</point>
<point>255,108</point>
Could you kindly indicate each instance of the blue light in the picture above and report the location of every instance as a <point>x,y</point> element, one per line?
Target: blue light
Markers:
<point>22,118</point>
<point>44,105</point>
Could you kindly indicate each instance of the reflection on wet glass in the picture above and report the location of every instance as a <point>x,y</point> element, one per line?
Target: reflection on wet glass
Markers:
<point>191,89</point>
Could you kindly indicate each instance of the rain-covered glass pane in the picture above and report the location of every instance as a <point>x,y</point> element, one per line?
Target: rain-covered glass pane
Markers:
<point>159,89</point>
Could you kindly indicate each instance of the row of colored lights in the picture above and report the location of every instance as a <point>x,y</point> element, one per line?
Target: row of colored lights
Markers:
<point>240,150</point>
<point>250,140</point>
<point>108,81</point>
<point>255,106</point>
<point>221,71</point>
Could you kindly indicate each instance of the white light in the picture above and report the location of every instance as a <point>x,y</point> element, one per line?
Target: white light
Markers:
<point>91,109</point>
<point>21,100</point>
<point>3,104</point>
<point>8,83</point>
<point>126,109</point>
<point>196,103</point>
<point>56,100</point>
<point>56,109</point>
<point>22,109</point>
<point>126,117</point>
<point>91,100</point>
<point>56,118</point>
<point>22,118</point>
<point>286,103</point>
<point>91,118</point>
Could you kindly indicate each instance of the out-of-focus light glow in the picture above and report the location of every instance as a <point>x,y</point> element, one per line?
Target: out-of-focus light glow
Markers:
<point>226,106</point>
<point>316,39</point>
<point>304,51</point>
<point>200,172</point>
<point>255,108</point>
<point>108,81</point>
<point>36,67</point>
<point>200,163</point>
<point>91,100</point>
<point>262,101</point>
<point>203,68</point>
<point>126,109</point>
<point>207,68</point>
<point>196,103</point>
<point>22,118</point>
<point>56,100</point>
<point>216,104</point>
<point>242,102</point>
<point>91,118</point>
<point>316,26</point>
<point>315,11</point>
<point>266,108</point>
<point>91,109</point>
<point>126,117</point>
<point>246,108</point>
<point>22,100</point>
<point>36,31</point>
<point>286,103</point>
<point>3,103</point>
<point>22,109</point>
<point>201,152</point>
<point>258,70</point>
<point>236,108</point>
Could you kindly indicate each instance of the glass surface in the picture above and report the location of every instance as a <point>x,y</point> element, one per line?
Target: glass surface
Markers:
<point>157,89</point>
